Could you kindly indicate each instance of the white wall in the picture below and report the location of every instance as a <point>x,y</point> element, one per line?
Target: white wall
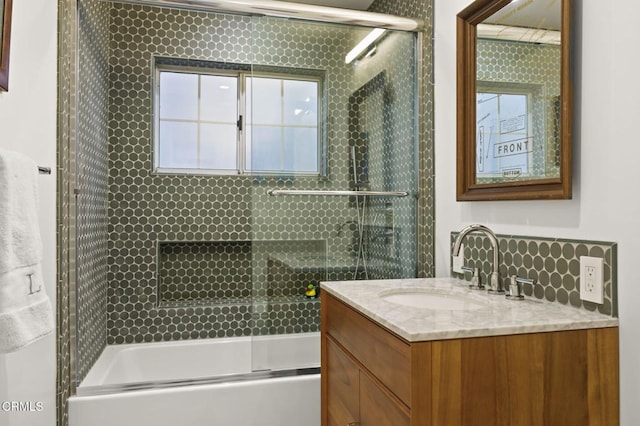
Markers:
<point>605,204</point>
<point>28,125</point>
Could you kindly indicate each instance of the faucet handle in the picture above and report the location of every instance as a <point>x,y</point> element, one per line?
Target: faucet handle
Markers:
<point>475,278</point>
<point>515,287</point>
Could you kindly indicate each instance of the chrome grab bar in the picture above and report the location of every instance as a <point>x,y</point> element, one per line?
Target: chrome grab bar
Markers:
<point>276,192</point>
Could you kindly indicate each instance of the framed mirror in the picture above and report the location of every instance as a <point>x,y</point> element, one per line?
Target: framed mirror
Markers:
<point>514,100</point>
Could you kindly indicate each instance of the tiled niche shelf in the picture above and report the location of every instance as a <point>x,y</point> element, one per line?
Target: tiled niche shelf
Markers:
<point>219,272</point>
<point>238,272</point>
<point>252,282</point>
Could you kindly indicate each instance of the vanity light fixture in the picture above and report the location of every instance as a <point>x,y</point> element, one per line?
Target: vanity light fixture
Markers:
<point>364,44</point>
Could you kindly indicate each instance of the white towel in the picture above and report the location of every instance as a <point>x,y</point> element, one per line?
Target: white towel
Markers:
<point>25,309</point>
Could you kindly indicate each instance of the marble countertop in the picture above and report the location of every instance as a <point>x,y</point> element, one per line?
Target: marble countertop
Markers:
<point>495,316</point>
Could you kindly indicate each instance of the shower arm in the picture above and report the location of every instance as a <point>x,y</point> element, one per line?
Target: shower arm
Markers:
<point>283,9</point>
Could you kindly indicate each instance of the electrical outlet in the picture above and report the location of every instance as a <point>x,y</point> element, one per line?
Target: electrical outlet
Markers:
<point>592,279</point>
<point>458,261</point>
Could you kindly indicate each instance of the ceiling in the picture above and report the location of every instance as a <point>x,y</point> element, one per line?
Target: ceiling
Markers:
<point>345,4</point>
<point>541,14</point>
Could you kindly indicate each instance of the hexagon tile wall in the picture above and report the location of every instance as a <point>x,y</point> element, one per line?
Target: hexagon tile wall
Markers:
<point>198,256</point>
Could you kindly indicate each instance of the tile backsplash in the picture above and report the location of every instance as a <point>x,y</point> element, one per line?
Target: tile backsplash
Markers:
<point>554,265</point>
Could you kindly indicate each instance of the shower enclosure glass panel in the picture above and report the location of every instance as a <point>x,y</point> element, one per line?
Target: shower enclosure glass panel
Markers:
<point>196,246</point>
<point>317,123</point>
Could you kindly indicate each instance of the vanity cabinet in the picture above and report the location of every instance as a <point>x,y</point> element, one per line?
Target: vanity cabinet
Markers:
<point>357,398</point>
<point>372,377</point>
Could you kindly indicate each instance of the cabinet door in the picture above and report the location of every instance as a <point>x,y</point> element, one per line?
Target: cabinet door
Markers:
<point>342,387</point>
<point>377,408</point>
<point>386,356</point>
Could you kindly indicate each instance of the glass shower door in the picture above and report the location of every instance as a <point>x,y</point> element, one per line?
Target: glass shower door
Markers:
<point>317,124</point>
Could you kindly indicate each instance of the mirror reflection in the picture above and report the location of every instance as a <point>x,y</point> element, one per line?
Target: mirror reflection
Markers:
<point>518,87</point>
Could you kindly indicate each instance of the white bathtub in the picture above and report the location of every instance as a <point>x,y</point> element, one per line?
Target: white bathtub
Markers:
<point>203,382</point>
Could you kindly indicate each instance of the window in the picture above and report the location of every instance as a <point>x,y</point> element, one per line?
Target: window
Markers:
<point>503,132</point>
<point>236,122</point>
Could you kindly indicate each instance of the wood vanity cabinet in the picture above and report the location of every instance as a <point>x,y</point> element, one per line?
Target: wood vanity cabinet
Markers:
<point>372,377</point>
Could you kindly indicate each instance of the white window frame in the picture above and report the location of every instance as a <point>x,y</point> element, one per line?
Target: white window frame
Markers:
<point>241,140</point>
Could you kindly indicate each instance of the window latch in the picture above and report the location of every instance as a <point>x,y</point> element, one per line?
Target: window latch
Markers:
<point>239,123</point>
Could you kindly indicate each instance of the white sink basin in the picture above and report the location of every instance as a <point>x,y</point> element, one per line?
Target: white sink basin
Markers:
<point>428,299</point>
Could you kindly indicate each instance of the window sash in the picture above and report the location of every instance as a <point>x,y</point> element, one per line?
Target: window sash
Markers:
<point>243,164</point>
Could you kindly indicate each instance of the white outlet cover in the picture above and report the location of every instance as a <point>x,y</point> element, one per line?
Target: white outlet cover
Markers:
<point>592,279</point>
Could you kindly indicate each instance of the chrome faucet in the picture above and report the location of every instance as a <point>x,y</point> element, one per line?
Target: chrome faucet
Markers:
<point>495,284</point>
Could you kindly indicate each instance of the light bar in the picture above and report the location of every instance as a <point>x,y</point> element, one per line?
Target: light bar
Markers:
<point>364,44</point>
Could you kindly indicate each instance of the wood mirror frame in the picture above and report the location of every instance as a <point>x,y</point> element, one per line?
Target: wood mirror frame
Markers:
<point>5,36</point>
<point>467,187</point>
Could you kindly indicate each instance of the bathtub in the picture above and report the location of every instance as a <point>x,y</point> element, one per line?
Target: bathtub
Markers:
<point>241,381</point>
